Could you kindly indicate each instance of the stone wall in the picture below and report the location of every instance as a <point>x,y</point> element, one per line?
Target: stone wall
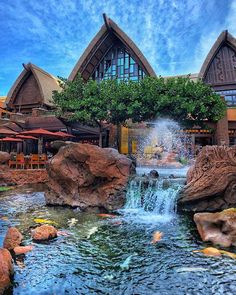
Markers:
<point>21,177</point>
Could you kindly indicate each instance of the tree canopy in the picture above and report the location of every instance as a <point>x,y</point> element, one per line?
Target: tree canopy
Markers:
<point>181,99</point>
<point>111,101</point>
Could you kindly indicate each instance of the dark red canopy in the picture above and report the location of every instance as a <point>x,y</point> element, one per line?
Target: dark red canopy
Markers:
<point>26,137</point>
<point>64,134</point>
<point>40,133</point>
<point>11,139</point>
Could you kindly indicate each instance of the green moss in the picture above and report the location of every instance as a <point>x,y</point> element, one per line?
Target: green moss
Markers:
<point>5,188</point>
<point>229,211</point>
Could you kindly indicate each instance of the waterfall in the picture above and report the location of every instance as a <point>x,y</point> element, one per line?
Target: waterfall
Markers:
<point>157,197</point>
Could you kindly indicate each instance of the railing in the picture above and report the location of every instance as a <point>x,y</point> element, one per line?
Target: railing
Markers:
<point>21,161</point>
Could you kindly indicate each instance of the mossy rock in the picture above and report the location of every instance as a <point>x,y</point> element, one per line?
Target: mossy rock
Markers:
<point>229,211</point>
<point>5,188</point>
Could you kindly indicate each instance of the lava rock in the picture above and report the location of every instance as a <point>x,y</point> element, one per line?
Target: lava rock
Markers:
<point>166,184</point>
<point>211,181</point>
<point>87,176</point>
<point>19,250</point>
<point>218,228</point>
<point>153,174</point>
<point>4,157</point>
<point>12,239</point>
<point>44,232</point>
<point>6,269</point>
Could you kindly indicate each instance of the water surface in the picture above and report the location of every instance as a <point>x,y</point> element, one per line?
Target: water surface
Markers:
<point>85,263</point>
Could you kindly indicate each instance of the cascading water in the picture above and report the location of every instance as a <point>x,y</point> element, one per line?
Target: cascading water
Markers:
<point>167,148</point>
<point>153,201</point>
<point>164,145</point>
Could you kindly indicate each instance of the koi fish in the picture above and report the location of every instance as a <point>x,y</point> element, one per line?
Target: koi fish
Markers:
<point>63,233</point>
<point>39,220</point>
<point>211,251</point>
<point>92,231</point>
<point>118,222</point>
<point>71,222</point>
<point>5,218</point>
<point>23,249</point>
<point>157,236</point>
<point>107,215</point>
<point>125,265</point>
<point>108,277</point>
<point>191,269</point>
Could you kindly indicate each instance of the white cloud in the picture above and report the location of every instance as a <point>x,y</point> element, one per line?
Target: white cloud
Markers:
<point>175,36</point>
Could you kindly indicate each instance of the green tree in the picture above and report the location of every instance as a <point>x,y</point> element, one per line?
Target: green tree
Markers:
<point>181,99</point>
<point>95,103</point>
<point>115,102</point>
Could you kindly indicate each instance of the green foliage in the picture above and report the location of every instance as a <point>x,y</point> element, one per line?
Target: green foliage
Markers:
<point>115,102</point>
<point>5,188</point>
<point>181,99</point>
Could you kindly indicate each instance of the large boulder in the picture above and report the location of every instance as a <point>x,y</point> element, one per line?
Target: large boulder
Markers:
<point>87,176</point>
<point>12,239</point>
<point>4,157</point>
<point>44,232</point>
<point>211,181</point>
<point>6,269</point>
<point>218,228</point>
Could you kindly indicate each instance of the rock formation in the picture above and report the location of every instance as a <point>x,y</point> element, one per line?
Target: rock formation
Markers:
<point>4,157</point>
<point>44,232</point>
<point>6,269</point>
<point>87,176</point>
<point>218,228</point>
<point>211,182</point>
<point>19,250</point>
<point>12,239</point>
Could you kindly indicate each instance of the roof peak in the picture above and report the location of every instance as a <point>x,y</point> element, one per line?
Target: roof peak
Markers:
<point>224,37</point>
<point>106,21</point>
<point>99,46</point>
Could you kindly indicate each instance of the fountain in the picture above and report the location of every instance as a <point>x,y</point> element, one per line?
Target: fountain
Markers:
<point>166,145</point>
<point>152,201</point>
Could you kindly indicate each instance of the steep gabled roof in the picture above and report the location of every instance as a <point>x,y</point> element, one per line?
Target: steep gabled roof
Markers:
<point>101,44</point>
<point>224,38</point>
<point>45,82</point>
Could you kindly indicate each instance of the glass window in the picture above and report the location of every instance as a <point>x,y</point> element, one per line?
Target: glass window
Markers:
<point>118,64</point>
<point>229,96</point>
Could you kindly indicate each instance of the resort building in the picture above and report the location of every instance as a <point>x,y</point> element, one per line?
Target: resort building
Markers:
<point>29,105</point>
<point>113,55</point>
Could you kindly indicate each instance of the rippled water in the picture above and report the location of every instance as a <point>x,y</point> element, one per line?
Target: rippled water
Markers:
<point>79,264</point>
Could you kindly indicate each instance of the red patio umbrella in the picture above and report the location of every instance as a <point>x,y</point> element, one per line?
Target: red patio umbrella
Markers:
<point>26,137</point>
<point>40,133</point>
<point>64,134</point>
<point>11,139</point>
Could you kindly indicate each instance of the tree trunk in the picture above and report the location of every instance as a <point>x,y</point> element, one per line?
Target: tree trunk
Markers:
<point>100,132</point>
<point>100,135</point>
<point>118,135</point>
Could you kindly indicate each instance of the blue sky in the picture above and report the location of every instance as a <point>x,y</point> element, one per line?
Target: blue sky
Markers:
<point>174,35</point>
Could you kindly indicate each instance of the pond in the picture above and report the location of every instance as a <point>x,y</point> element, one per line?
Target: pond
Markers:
<point>111,255</point>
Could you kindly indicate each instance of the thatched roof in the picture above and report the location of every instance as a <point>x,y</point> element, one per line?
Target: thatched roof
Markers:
<point>51,123</point>
<point>99,46</point>
<point>46,83</point>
